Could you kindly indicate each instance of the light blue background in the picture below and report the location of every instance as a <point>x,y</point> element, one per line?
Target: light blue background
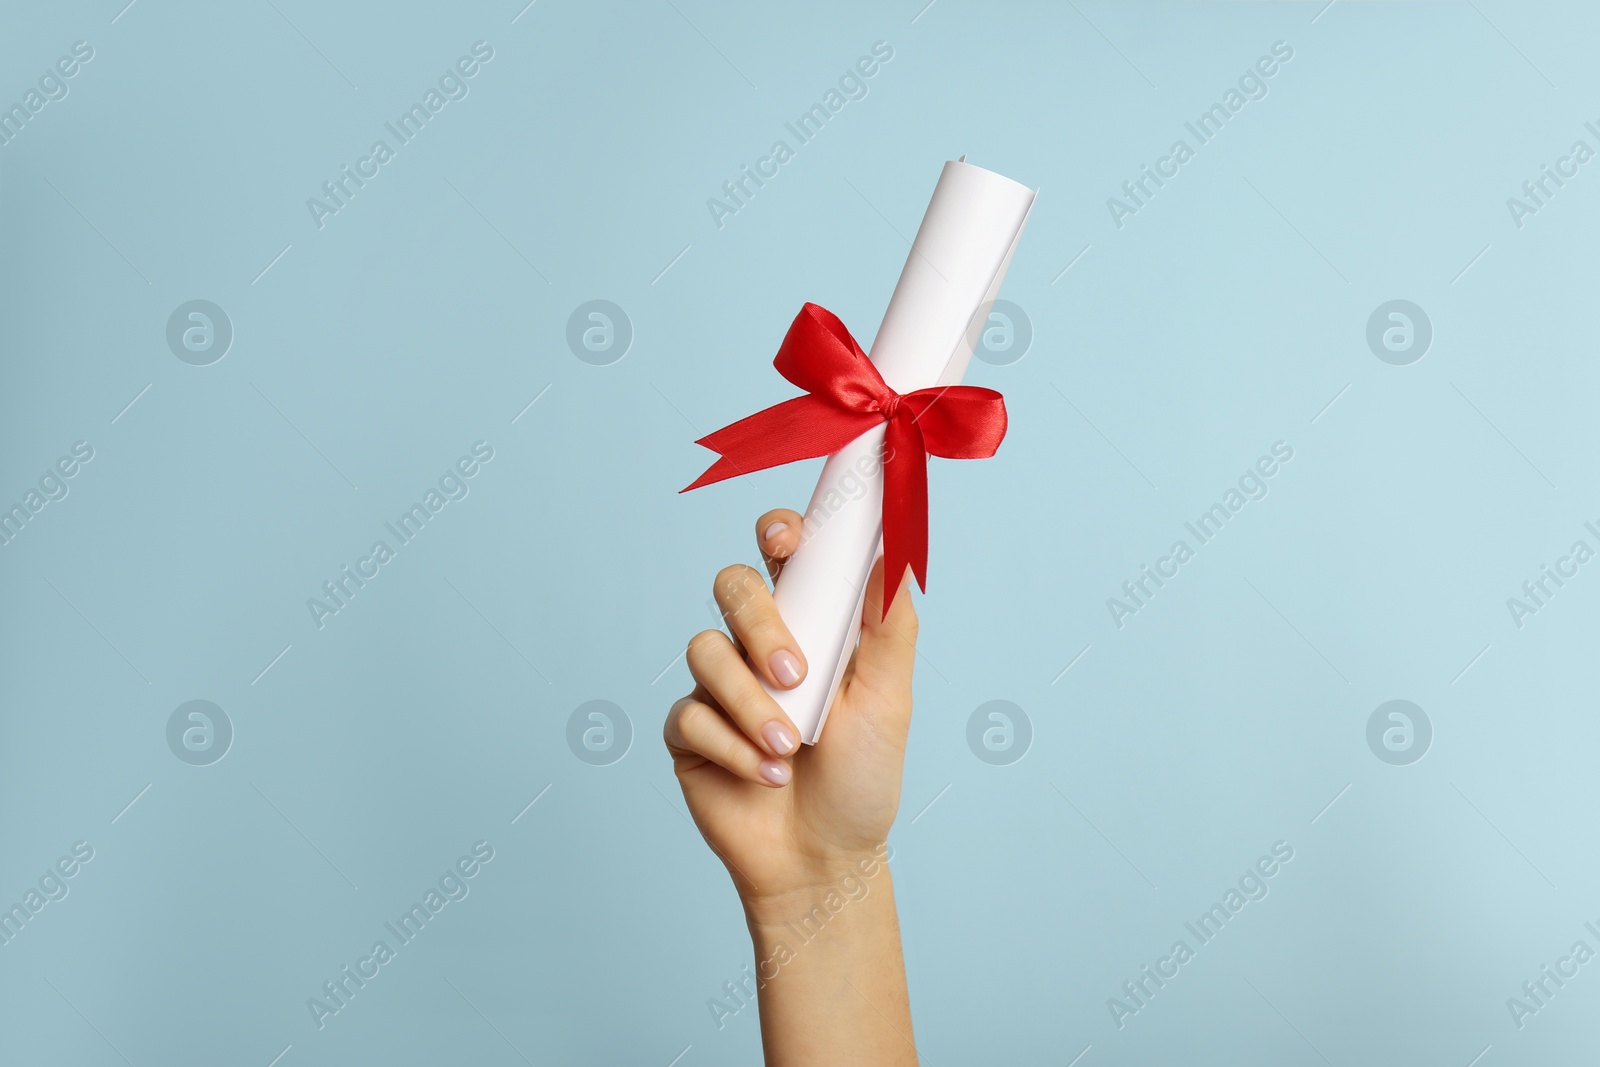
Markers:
<point>1223,317</point>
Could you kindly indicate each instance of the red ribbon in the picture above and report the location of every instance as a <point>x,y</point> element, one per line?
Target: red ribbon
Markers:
<point>845,398</point>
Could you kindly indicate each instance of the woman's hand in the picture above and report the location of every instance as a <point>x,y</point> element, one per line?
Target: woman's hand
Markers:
<point>802,830</point>
<point>790,820</point>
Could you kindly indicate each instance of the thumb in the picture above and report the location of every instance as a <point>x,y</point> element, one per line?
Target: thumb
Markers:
<point>888,649</point>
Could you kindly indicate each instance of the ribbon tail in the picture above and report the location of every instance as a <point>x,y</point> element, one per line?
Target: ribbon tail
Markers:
<point>723,469</point>
<point>905,509</point>
<point>803,428</point>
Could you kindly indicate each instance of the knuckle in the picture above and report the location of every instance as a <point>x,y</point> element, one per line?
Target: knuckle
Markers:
<point>763,629</point>
<point>736,757</point>
<point>906,636</point>
<point>735,699</point>
<point>699,731</point>
<point>737,583</point>
<point>705,643</point>
<point>690,715</point>
<point>910,627</point>
<point>671,726</point>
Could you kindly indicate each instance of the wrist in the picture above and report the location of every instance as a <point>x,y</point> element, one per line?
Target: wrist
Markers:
<point>818,890</point>
<point>830,972</point>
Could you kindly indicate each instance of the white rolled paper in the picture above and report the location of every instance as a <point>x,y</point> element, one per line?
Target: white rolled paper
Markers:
<point>957,261</point>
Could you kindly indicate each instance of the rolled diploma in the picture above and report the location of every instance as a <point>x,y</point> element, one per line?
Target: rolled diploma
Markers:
<point>956,263</point>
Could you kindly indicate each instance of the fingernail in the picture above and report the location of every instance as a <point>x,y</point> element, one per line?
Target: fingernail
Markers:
<point>775,772</point>
<point>774,530</point>
<point>778,738</point>
<point>785,668</point>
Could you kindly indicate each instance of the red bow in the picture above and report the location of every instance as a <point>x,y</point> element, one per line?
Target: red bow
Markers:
<point>845,398</point>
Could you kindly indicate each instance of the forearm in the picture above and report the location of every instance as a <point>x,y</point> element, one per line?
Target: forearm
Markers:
<point>831,978</point>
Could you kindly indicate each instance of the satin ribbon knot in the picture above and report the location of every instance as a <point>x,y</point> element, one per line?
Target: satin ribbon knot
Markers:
<point>845,397</point>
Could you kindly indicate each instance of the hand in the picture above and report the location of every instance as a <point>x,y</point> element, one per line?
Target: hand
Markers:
<point>788,819</point>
